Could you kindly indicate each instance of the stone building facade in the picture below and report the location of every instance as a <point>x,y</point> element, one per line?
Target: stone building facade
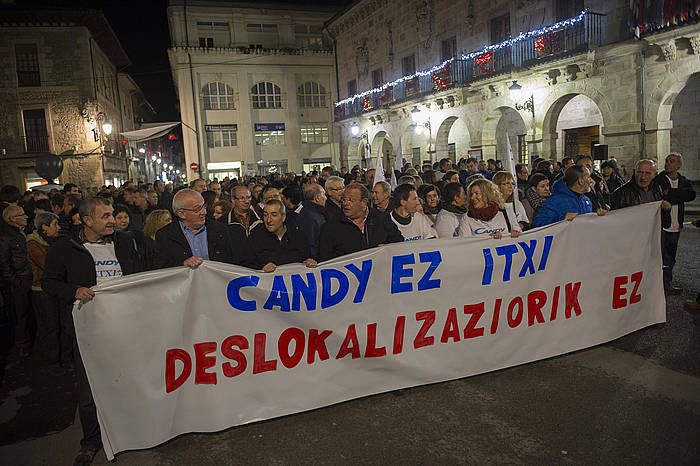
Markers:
<point>256,86</point>
<point>58,85</point>
<point>586,85</point>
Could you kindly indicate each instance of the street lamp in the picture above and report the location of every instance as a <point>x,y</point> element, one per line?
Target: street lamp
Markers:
<point>416,115</point>
<point>515,91</point>
<point>107,128</point>
<point>354,128</point>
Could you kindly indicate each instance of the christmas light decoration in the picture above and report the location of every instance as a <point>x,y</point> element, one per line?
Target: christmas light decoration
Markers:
<point>471,56</point>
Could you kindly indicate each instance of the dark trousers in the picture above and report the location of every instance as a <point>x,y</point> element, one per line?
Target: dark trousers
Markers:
<point>26,324</point>
<point>52,339</point>
<point>669,247</point>
<point>86,404</point>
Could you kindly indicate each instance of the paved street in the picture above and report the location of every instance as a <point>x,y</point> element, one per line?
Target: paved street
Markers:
<point>633,401</point>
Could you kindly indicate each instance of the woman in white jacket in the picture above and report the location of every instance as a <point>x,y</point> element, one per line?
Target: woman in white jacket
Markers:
<point>504,181</point>
<point>487,214</point>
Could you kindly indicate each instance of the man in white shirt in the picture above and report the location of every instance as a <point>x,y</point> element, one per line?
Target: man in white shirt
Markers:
<point>73,267</point>
<point>412,224</point>
<point>677,190</point>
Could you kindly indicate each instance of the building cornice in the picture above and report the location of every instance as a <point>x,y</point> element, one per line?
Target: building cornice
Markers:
<point>354,15</point>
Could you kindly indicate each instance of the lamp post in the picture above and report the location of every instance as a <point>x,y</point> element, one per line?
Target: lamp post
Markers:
<point>515,91</point>
<point>102,130</point>
<point>422,124</point>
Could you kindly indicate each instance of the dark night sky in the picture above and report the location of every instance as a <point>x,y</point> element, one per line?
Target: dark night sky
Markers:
<point>142,29</point>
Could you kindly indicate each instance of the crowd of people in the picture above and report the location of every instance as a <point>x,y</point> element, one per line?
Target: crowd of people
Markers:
<point>56,246</point>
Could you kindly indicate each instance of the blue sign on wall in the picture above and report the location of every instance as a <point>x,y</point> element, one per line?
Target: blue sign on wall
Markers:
<point>269,126</point>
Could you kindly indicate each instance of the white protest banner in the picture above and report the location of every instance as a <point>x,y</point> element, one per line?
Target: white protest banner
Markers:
<point>180,350</point>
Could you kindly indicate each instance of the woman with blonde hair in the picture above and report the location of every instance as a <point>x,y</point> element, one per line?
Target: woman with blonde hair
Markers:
<point>146,241</point>
<point>504,181</point>
<point>155,221</point>
<point>221,210</point>
<point>487,213</point>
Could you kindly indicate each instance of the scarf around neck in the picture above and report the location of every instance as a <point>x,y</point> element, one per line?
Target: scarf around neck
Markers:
<point>484,213</point>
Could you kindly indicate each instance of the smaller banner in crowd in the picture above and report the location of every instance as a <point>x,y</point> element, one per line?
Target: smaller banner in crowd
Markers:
<point>180,350</point>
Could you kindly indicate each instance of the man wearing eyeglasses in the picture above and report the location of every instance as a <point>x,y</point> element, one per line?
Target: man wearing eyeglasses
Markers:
<point>193,238</point>
<point>242,220</point>
<point>16,271</point>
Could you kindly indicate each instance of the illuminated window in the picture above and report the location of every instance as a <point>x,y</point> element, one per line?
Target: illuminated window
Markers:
<point>314,134</point>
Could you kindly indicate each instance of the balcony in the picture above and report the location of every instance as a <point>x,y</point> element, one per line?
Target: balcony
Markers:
<point>649,20</point>
<point>555,42</point>
<point>36,144</point>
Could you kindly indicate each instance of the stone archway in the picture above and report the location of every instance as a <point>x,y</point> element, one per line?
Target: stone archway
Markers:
<point>415,145</point>
<point>511,126</point>
<point>684,136</point>
<point>568,116</point>
<point>452,139</point>
<point>579,127</point>
<point>381,145</point>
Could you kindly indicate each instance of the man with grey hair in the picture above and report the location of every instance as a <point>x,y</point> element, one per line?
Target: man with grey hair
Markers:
<point>381,195</point>
<point>640,189</point>
<point>312,216</point>
<point>677,190</point>
<point>16,272</point>
<point>278,243</point>
<point>335,186</point>
<point>193,238</point>
<point>359,227</point>
<point>73,266</point>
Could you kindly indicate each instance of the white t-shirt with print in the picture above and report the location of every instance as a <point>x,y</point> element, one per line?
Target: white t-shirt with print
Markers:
<point>419,228</point>
<point>106,263</point>
<point>471,227</point>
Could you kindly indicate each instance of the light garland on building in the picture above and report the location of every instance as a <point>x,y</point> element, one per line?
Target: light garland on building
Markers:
<point>507,43</point>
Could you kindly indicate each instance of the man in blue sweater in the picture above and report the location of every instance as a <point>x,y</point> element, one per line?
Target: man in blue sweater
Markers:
<point>568,198</point>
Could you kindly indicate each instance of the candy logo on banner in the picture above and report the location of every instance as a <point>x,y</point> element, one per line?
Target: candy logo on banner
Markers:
<point>180,350</point>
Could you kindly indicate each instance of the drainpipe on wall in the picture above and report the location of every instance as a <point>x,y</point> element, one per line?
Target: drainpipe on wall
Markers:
<point>642,108</point>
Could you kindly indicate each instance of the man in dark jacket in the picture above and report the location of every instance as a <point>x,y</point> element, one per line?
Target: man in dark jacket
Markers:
<point>16,272</point>
<point>73,266</point>
<point>677,190</point>
<point>278,243</point>
<point>640,189</point>
<point>165,198</point>
<point>312,216</point>
<point>242,220</point>
<point>359,228</point>
<point>192,238</point>
<point>335,186</point>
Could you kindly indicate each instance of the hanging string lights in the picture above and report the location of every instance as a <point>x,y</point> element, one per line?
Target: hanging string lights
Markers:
<point>480,54</point>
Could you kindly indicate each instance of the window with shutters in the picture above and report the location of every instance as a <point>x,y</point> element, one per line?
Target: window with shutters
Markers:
<point>27,60</point>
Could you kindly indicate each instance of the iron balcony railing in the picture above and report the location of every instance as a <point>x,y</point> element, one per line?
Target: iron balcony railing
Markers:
<point>571,39</point>
<point>36,144</point>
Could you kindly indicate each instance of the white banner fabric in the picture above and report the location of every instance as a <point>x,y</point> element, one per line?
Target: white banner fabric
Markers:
<point>179,350</point>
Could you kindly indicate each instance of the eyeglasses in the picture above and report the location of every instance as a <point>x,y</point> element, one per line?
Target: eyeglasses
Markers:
<point>19,215</point>
<point>243,198</point>
<point>193,209</point>
<point>335,189</point>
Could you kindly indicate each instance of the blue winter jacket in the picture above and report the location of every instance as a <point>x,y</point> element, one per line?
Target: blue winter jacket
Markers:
<point>561,202</point>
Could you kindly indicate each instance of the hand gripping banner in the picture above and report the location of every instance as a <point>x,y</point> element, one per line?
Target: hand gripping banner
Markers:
<point>180,350</point>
